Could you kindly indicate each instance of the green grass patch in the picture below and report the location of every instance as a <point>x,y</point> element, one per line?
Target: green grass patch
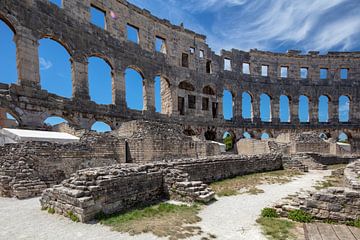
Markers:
<point>354,223</point>
<point>231,187</point>
<point>277,229</point>
<point>300,216</point>
<point>51,210</point>
<point>72,216</point>
<point>269,212</point>
<point>163,220</point>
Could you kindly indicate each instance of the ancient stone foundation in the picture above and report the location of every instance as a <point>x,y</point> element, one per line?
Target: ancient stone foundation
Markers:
<point>335,203</point>
<point>118,188</point>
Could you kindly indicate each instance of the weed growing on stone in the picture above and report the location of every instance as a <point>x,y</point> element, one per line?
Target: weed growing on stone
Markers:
<point>72,216</point>
<point>269,212</point>
<point>300,216</point>
<point>163,220</point>
<point>354,223</point>
<point>51,210</point>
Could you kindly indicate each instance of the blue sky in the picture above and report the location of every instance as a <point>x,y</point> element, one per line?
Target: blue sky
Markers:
<point>274,25</point>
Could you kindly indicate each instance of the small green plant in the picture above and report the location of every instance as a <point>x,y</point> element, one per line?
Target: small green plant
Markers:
<point>51,210</point>
<point>300,216</point>
<point>354,223</point>
<point>269,212</point>
<point>72,216</point>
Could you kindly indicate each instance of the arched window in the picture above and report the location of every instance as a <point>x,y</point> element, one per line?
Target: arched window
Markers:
<point>303,110</point>
<point>228,105</point>
<point>229,140</point>
<point>344,109</point>
<point>186,86</point>
<point>323,109</point>
<point>265,108</point>
<point>343,138</point>
<point>100,127</point>
<point>52,121</point>
<point>7,120</point>
<point>247,109</point>
<point>134,89</point>
<point>247,135</point>
<point>7,55</point>
<point>55,68</point>
<point>284,109</point>
<point>100,81</point>
<point>208,90</point>
<point>265,136</point>
<point>163,100</point>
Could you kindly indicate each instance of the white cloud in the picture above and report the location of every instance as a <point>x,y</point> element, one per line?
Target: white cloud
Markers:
<point>45,64</point>
<point>267,24</point>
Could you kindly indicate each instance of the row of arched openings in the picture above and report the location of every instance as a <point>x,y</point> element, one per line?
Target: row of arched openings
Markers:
<point>56,73</point>
<point>303,109</point>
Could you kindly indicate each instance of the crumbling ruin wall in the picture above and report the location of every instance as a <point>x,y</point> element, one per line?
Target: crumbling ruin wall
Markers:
<point>339,204</point>
<point>152,141</point>
<point>27,168</point>
<point>118,188</point>
<point>310,142</point>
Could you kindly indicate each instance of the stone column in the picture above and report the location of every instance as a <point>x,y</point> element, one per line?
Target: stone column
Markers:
<point>256,109</point>
<point>149,95</point>
<point>27,59</point>
<point>80,83</point>
<point>220,106</point>
<point>118,90</point>
<point>354,111</point>
<point>333,109</point>
<point>294,110</point>
<point>314,111</point>
<point>275,110</point>
<point>238,107</point>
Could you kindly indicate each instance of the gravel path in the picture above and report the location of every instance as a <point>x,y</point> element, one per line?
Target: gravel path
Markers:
<point>234,218</point>
<point>229,218</point>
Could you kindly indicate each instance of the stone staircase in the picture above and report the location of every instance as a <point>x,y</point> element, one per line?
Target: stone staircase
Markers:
<point>308,161</point>
<point>196,190</point>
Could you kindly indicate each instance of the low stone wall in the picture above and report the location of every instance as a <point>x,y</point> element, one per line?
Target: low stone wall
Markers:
<point>334,203</point>
<point>252,147</point>
<point>120,187</point>
<point>27,168</point>
<point>352,175</point>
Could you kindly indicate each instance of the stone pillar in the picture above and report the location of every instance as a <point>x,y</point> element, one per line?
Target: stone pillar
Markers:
<point>80,82</point>
<point>27,59</point>
<point>256,109</point>
<point>220,106</point>
<point>294,110</point>
<point>118,90</point>
<point>3,117</point>
<point>238,107</point>
<point>314,111</point>
<point>275,110</point>
<point>354,115</point>
<point>149,95</point>
<point>333,109</point>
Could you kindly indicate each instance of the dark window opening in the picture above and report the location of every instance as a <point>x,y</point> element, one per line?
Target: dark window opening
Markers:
<point>181,105</point>
<point>208,67</point>
<point>185,60</point>
<point>215,109</point>
<point>208,90</point>
<point>205,104</point>
<point>186,86</point>
<point>192,102</point>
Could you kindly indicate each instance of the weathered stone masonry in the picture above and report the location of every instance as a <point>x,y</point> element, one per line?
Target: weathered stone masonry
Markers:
<point>70,25</point>
<point>118,188</point>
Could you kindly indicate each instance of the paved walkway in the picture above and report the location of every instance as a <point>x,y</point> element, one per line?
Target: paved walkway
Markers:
<point>230,218</point>
<point>321,231</point>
